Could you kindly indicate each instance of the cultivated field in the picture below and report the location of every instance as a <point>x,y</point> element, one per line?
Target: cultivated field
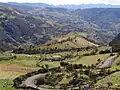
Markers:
<point>88,60</point>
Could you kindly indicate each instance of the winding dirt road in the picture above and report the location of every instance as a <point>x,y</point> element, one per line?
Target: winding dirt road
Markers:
<point>109,61</point>
<point>30,82</point>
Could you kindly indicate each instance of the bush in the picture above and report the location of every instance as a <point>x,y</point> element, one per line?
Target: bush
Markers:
<point>112,54</point>
<point>104,52</point>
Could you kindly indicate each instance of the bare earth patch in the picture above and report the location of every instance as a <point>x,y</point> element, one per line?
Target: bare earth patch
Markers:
<point>11,70</point>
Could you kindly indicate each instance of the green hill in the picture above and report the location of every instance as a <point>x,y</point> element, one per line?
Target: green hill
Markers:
<point>71,40</point>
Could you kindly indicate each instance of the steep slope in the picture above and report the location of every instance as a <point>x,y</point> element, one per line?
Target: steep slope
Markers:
<point>71,40</point>
<point>74,41</point>
<point>101,26</point>
<point>115,43</point>
<point>106,19</point>
<point>34,25</point>
<point>68,19</point>
<point>17,28</point>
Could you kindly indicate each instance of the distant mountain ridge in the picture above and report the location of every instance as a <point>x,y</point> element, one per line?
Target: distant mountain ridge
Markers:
<point>86,6</point>
<point>67,6</point>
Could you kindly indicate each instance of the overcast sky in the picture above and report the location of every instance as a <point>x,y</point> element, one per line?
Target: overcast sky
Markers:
<point>57,2</point>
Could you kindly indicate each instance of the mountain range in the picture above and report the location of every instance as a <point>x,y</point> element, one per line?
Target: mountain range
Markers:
<point>67,6</point>
<point>35,24</point>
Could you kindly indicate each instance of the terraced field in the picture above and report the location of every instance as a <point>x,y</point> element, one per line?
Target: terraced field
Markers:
<point>113,78</point>
<point>88,60</point>
<point>10,71</point>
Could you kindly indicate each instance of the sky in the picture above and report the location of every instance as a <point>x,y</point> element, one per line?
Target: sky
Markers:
<point>61,2</point>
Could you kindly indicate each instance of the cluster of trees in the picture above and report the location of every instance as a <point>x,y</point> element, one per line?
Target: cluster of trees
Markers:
<point>50,50</point>
<point>53,78</point>
<point>61,40</point>
<point>91,71</point>
<point>105,51</point>
<point>80,66</point>
<point>18,81</point>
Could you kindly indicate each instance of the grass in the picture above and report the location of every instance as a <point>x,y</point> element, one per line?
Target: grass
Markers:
<point>75,43</point>
<point>88,60</point>
<point>11,71</point>
<point>21,59</point>
<point>113,78</point>
<point>23,63</point>
<point>50,64</point>
<point>6,84</point>
<point>78,41</point>
<point>33,60</point>
<point>117,61</point>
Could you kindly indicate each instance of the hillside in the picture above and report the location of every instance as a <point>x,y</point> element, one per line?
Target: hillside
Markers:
<point>101,26</point>
<point>63,43</point>
<point>71,40</point>
<point>71,20</point>
<point>106,20</point>
<point>17,28</point>
<point>116,40</point>
<point>22,24</point>
<point>43,47</point>
<point>115,43</point>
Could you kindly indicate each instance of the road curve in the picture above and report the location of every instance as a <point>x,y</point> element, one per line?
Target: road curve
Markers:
<point>109,62</point>
<point>30,82</point>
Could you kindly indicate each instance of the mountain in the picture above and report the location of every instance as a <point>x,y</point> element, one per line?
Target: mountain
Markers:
<point>74,41</point>
<point>102,25</point>
<point>67,6</point>
<point>37,25</point>
<point>115,43</point>
<point>70,40</point>
<point>86,6</point>
<point>15,4</point>
<point>106,20</point>
<point>16,28</point>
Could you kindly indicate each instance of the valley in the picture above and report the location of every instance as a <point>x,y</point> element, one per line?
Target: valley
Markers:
<point>44,47</point>
<point>27,63</point>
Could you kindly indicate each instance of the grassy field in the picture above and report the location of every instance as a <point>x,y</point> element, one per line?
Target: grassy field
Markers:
<point>113,78</point>
<point>88,60</point>
<point>20,64</point>
<point>10,71</point>
<point>13,65</point>
<point>77,41</point>
<point>6,84</point>
<point>50,64</point>
<point>116,62</point>
<point>33,60</point>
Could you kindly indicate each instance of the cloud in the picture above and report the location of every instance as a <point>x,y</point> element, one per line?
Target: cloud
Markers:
<point>116,2</point>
